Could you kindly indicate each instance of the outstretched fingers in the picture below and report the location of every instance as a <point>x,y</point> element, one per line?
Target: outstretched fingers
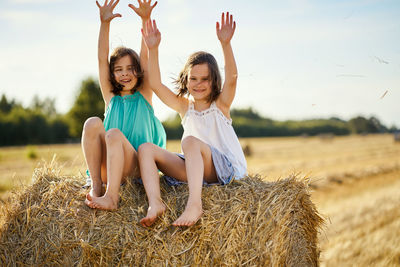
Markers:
<point>107,9</point>
<point>116,15</point>
<point>228,20</point>
<point>226,28</point>
<point>154,26</point>
<point>151,28</point>
<point>115,4</point>
<point>134,8</point>
<point>144,8</point>
<point>151,35</point>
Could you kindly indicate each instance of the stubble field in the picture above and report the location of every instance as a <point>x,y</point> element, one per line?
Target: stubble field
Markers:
<point>355,183</point>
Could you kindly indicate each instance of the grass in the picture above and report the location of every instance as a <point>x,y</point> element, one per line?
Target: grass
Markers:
<point>31,152</point>
<point>18,163</point>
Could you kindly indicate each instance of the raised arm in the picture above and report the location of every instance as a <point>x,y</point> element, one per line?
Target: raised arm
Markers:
<point>106,15</point>
<point>152,38</point>
<point>225,33</point>
<point>144,12</point>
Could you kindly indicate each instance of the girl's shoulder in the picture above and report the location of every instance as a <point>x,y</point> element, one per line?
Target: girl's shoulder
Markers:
<point>212,110</point>
<point>108,101</point>
<point>127,98</point>
<point>184,107</point>
<point>146,93</point>
<point>223,108</point>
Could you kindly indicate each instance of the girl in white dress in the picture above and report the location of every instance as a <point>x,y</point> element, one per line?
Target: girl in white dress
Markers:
<point>211,149</point>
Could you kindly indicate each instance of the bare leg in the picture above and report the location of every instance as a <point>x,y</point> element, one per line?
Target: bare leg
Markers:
<point>93,147</point>
<point>151,158</point>
<point>121,162</point>
<point>199,166</point>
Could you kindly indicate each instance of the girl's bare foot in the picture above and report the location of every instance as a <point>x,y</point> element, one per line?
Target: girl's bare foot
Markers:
<point>153,212</point>
<point>96,191</point>
<point>105,202</point>
<point>190,215</point>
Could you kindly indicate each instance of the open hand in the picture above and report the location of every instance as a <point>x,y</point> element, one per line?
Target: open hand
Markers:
<point>227,28</point>
<point>106,11</point>
<point>144,9</point>
<point>151,35</point>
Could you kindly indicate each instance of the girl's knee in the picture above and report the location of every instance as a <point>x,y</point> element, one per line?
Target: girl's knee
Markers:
<point>92,124</point>
<point>189,142</point>
<point>113,135</point>
<point>145,149</point>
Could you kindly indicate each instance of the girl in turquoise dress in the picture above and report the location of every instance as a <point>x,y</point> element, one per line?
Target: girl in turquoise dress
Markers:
<point>110,147</point>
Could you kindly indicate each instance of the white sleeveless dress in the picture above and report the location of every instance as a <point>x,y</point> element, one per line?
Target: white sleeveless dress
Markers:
<point>213,128</point>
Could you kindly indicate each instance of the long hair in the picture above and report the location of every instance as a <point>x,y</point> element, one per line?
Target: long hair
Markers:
<point>118,53</point>
<point>213,72</point>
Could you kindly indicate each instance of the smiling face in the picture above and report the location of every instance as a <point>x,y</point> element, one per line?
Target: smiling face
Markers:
<point>124,74</point>
<point>200,77</point>
<point>199,83</point>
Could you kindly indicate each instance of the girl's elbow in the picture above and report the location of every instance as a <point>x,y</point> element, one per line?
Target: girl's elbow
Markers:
<point>232,78</point>
<point>235,76</point>
<point>232,82</point>
<point>154,85</point>
<point>102,59</point>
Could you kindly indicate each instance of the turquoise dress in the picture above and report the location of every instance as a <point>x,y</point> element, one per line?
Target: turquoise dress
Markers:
<point>134,116</point>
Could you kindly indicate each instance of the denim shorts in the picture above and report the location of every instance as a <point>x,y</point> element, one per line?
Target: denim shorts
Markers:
<point>223,168</point>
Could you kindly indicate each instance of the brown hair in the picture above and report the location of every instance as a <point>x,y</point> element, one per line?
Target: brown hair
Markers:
<point>213,72</point>
<point>118,53</point>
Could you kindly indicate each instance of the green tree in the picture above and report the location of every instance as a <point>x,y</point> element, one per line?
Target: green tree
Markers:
<point>88,103</point>
<point>378,127</point>
<point>46,106</point>
<point>5,105</point>
<point>362,125</point>
<point>173,127</point>
<point>248,113</point>
<point>59,129</point>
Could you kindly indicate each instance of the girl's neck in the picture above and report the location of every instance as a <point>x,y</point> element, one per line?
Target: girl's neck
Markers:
<point>201,105</point>
<point>125,93</point>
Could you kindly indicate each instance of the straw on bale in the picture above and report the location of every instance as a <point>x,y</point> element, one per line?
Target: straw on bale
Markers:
<point>249,222</point>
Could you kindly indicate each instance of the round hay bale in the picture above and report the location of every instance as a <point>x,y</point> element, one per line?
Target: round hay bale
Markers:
<point>248,222</point>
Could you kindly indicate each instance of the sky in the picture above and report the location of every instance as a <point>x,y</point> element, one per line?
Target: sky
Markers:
<point>297,59</point>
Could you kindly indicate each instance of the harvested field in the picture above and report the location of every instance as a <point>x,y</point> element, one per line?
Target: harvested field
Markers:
<point>355,186</point>
<point>248,222</point>
<point>363,227</point>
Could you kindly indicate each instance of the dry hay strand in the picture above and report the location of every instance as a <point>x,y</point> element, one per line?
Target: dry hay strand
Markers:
<point>246,223</point>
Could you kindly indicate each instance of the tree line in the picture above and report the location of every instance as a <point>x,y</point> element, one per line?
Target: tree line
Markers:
<point>40,123</point>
